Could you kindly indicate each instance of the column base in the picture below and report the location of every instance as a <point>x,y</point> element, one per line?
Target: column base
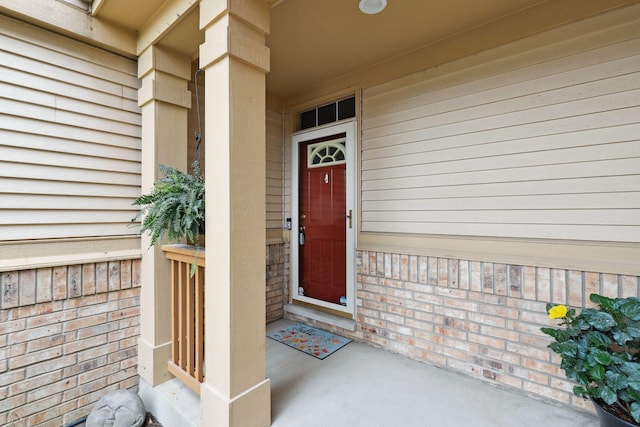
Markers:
<point>172,403</point>
<point>152,362</point>
<point>252,408</point>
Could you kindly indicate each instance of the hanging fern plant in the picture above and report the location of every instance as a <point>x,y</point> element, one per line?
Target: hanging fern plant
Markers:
<point>175,207</point>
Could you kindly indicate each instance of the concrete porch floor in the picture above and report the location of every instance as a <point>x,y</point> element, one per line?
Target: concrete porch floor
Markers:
<point>362,386</point>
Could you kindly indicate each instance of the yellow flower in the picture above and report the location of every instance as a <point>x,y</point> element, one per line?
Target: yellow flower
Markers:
<point>557,312</point>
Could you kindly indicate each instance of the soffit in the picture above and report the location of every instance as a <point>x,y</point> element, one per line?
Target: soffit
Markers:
<point>316,40</point>
<point>186,37</point>
<point>131,14</point>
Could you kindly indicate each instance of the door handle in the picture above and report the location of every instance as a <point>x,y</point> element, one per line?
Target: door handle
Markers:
<point>350,217</point>
<point>301,239</point>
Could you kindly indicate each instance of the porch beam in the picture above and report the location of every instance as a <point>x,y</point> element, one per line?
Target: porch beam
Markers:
<point>60,17</point>
<point>164,100</point>
<point>96,5</point>
<point>236,391</point>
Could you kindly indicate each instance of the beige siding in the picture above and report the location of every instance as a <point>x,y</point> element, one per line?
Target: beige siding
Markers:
<point>542,144</point>
<point>274,170</point>
<point>69,137</point>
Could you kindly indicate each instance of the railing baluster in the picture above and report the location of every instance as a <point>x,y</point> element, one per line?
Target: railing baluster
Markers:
<point>189,324</point>
<point>181,318</point>
<point>199,327</point>
<point>175,334</point>
<point>187,312</point>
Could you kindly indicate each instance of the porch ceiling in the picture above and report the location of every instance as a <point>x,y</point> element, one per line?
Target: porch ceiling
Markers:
<point>315,41</point>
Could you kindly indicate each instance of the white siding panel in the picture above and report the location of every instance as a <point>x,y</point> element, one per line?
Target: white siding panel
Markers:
<point>67,46</point>
<point>64,231</point>
<point>29,187</point>
<point>58,59</point>
<point>553,187</point>
<point>66,174</point>
<point>508,161</point>
<point>274,170</point>
<point>67,160</point>
<point>60,88</point>
<point>41,127</point>
<point>67,118</point>
<point>542,148</point>
<point>626,200</point>
<point>69,137</point>
<point>539,173</point>
<point>548,231</point>
<point>446,149</point>
<point>477,132</point>
<point>56,217</point>
<point>63,145</point>
<point>65,202</point>
<point>539,68</point>
<point>506,216</point>
<point>60,72</point>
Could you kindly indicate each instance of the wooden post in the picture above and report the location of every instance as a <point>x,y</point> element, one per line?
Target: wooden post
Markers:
<point>164,99</point>
<point>235,59</point>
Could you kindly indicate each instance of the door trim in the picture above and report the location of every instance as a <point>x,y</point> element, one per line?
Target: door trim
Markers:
<point>348,128</point>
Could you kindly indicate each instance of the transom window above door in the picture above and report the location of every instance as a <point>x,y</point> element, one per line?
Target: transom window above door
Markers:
<point>326,153</point>
<point>328,113</point>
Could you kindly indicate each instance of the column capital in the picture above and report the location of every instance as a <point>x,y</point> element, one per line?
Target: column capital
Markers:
<point>156,58</point>
<point>254,12</point>
<point>164,77</point>
<point>235,28</point>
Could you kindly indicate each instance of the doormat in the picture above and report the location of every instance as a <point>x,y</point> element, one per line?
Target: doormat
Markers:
<point>310,340</point>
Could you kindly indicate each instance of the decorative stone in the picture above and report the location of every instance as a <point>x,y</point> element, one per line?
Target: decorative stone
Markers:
<point>119,408</point>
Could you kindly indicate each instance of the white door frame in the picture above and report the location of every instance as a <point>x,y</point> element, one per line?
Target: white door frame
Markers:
<point>349,128</point>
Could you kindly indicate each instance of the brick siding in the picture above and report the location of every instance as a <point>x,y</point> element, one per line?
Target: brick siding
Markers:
<point>277,267</point>
<point>478,318</point>
<point>68,335</point>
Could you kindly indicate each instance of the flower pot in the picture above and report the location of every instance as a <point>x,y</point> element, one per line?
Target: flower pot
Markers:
<point>607,419</point>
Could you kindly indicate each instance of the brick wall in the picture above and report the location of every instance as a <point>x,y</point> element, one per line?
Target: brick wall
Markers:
<point>478,318</point>
<point>277,266</point>
<point>68,335</point>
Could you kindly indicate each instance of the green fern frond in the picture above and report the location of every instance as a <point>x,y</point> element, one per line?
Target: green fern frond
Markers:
<point>176,206</point>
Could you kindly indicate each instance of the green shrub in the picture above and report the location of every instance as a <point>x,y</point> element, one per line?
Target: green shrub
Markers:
<point>600,350</point>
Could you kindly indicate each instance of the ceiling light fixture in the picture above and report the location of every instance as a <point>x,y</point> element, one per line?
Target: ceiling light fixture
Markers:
<point>371,7</point>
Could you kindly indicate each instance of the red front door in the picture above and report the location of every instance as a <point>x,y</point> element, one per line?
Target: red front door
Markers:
<point>323,219</point>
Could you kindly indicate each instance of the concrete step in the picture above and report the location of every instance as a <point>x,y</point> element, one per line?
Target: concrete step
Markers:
<point>172,403</point>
